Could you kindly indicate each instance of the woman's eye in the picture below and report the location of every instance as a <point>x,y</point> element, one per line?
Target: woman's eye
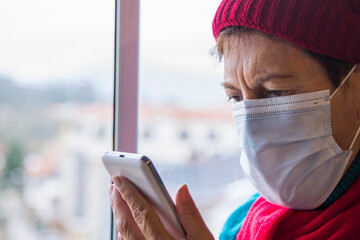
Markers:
<point>277,93</point>
<point>235,99</point>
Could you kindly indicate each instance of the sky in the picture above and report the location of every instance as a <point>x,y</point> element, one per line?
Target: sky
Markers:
<point>49,41</point>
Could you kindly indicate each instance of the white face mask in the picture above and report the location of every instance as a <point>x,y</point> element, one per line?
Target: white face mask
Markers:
<point>287,149</point>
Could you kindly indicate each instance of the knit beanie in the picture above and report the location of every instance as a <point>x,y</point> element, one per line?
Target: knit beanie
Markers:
<point>328,27</point>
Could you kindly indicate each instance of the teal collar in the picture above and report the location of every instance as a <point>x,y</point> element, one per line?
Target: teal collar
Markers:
<point>344,184</point>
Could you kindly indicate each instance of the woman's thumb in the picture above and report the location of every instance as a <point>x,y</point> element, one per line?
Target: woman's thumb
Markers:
<point>189,215</point>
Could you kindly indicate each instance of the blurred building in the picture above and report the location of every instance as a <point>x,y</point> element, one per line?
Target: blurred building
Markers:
<point>65,194</point>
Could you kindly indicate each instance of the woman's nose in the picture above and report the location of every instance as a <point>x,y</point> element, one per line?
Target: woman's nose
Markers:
<point>249,94</point>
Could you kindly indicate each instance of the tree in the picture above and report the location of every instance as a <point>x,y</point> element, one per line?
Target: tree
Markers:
<point>13,169</point>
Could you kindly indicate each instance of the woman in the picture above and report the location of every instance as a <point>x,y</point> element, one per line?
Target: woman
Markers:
<point>291,70</point>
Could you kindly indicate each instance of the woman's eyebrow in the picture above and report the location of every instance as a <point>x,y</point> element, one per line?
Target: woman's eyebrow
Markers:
<point>228,85</point>
<point>268,77</point>
<point>262,80</point>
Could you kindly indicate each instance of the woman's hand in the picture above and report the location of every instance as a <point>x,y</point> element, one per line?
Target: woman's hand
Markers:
<point>136,219</point>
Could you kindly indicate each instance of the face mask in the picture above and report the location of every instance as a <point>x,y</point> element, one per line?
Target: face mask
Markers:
<point>287,149</point>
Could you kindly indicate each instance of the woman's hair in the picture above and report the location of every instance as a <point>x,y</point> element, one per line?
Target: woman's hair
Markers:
<point>335,69</point>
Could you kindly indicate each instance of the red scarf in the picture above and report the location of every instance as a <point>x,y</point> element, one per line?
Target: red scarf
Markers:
<point>341,220</point>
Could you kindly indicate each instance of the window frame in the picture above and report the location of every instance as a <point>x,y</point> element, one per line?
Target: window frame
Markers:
<point>126,64</point>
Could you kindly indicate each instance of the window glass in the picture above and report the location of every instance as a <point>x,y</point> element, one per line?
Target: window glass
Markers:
<point>186,124</point>
<point>56,86</point>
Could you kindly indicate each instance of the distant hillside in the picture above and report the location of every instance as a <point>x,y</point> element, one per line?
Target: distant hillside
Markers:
<point>13,94</point>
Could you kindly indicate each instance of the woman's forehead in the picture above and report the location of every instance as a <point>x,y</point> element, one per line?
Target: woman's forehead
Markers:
<point>256,57</point>
<point>258,41</point>
<point>259,49</point>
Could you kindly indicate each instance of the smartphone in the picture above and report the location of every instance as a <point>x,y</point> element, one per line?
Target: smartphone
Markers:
<point>140,170</point>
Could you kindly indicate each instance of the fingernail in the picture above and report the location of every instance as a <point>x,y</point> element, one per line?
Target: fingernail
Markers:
<point>110,189</point>
<point>185,194</point>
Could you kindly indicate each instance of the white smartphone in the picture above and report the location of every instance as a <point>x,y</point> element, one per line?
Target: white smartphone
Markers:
<point>142,173</point>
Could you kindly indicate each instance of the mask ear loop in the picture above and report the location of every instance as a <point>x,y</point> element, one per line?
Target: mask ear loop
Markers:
<point>358,131</point>
<point>355,138</point>
<point>342,83</point>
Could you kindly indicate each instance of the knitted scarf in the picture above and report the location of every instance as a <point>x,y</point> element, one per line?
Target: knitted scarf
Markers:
<point>341,220</point>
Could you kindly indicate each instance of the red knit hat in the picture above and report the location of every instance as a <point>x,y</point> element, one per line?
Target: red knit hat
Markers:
<point>328,27</point>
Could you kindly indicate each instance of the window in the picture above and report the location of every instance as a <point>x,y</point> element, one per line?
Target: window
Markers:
<point>56,111</point>
<point>56,85</point>
<point>180,85</point>
<point>180,99</point>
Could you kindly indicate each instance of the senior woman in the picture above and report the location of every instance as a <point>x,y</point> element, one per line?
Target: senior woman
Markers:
<point>291,71</point>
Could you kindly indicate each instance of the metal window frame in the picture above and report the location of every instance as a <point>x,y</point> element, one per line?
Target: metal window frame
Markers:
<point>126,64</point>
